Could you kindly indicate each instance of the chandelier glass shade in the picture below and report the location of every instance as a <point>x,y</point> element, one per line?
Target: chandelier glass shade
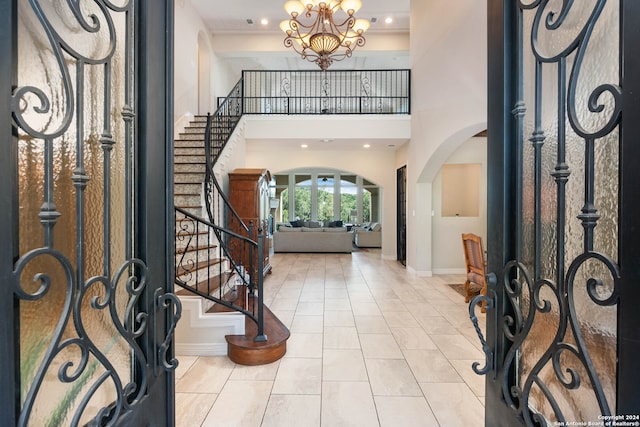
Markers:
<point>319,34</point>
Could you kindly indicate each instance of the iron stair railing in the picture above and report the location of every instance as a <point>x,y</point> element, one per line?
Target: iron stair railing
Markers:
<point>201,248</point>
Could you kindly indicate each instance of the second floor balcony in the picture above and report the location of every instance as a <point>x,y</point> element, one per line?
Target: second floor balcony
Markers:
<point>324,92</point>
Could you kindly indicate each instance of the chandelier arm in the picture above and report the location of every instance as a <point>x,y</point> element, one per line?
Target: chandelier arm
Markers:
<point>349,22</point>
<point>295,25</point>
<point>304,52</point>
<point>358,41</point>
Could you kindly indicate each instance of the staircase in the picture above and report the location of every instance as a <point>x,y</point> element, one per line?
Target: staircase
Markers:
<point>189,166</point>
<point>217,307</point>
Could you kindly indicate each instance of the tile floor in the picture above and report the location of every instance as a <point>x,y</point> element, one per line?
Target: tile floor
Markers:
<point>371,345</point>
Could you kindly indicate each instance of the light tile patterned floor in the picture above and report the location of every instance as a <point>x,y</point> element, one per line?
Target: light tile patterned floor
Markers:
<point>371,345</point>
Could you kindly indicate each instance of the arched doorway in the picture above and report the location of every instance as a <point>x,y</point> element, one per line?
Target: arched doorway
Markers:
<point>425,193</point>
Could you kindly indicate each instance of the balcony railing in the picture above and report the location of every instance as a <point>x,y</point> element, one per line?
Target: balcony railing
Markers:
<point>326,92</point>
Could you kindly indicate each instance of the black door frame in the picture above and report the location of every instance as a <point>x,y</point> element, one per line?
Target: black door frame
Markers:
<point>9,397</point>
<point>628,330</point>
<point>504,206</point>
<point>154,221</point>
<point>401,214</point>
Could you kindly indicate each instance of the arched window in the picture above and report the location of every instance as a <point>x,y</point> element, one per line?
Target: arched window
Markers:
<point>325,196</point>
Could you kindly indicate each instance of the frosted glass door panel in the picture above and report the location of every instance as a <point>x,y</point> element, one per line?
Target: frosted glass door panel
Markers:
<point>74,112</point>
<point>569,123</point>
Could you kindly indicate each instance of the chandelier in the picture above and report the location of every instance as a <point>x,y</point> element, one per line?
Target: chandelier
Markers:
<point>314,33</point>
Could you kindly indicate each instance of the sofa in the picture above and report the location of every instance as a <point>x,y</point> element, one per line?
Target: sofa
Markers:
<point>312,239</point>
<point>368,235</point>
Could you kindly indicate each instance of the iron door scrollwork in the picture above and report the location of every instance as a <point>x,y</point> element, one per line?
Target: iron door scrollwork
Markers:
<point>554,334</point>
<point>85,319</point>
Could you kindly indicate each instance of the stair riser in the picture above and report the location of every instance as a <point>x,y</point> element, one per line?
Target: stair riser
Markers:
<point>190,158</point>
<point>199,276</point>
<point>191,137</point>
<point>189,180</point>
<point>189,143</point>
<point>198,130</point>
<point>202,256</point>
<point>191,168</point>
<point>187,188</point>
<point>189,151</point>
<point>187,200</point>
<point>184,229</point>
<point>198,123</point>
<point>208,281</point>
<point>195,211</point>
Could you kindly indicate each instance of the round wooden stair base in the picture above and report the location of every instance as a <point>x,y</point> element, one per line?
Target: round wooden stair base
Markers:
<point>243,350</point>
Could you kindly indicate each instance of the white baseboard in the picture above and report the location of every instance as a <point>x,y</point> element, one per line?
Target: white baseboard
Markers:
<point>193,349</point>
<point>449,271</point>
<point>424,273</point>
<point>419,273</point>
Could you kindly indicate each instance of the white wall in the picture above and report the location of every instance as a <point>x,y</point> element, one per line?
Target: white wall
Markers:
<point>224,79</point>
<point>448,257</point>
<point>448,66</point>
<point>190,35</point>
<point>189,27</point>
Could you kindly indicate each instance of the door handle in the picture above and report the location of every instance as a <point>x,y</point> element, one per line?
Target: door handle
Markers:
<point>488,302</point>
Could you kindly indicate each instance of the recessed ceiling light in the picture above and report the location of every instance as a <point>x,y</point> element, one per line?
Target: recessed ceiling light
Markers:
<point>304,145</point>
<point>366,145</point>
<point>388,20</point>
<point>264,21</point>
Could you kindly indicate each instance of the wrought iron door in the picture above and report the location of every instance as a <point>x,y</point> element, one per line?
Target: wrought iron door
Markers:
<point>86,310</point>
<point>562,339</point>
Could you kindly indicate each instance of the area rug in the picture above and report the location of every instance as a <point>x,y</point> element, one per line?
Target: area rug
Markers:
<point>459,288</point>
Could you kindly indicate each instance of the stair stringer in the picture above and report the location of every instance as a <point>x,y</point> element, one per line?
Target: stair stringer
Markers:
<point>203,334</point>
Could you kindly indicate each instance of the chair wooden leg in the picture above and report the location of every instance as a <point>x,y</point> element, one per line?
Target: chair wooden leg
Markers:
<point>483,291</point>
<point>467,292</point>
